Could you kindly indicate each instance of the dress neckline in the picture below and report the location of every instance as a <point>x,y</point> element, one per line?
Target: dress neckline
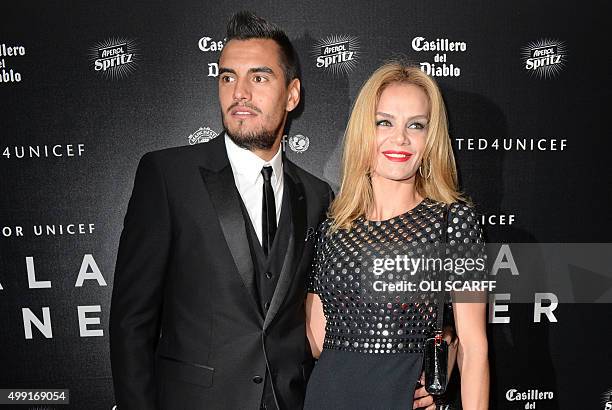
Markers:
<point>413,209</point>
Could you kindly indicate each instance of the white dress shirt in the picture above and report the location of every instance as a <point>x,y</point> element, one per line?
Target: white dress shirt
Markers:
<point>246,167</point>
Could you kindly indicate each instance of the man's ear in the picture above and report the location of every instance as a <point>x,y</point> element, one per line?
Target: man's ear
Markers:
<point>293,94</point>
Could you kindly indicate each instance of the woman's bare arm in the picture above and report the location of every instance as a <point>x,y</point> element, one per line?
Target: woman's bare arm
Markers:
<point>315,323</point>
<point>472,355</point>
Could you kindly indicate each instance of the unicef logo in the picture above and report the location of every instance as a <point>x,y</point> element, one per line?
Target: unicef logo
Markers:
<point>202,135</point>
<point>298,143</point>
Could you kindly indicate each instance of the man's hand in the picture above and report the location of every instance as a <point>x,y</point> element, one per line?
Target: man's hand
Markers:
<point>422,399</point>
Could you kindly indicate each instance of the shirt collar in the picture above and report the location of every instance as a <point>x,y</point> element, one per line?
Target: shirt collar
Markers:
<point>248,165</point>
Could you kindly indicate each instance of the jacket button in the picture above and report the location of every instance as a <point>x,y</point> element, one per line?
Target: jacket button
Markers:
<point>257,379</point>
<point>269,275</point>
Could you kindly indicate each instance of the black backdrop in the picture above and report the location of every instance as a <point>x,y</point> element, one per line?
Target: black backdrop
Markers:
<point>71,136</point>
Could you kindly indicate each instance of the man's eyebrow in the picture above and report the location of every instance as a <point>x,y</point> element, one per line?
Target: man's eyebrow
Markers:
<point>226,70</point>
<point>263,69</point>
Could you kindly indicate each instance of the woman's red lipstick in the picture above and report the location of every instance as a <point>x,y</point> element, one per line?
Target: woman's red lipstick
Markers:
<point>397,156</point>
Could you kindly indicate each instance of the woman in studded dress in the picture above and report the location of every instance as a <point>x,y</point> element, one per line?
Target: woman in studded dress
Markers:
<point>399,189</point>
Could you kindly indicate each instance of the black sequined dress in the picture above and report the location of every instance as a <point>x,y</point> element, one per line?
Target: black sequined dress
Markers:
<point>372,353</point>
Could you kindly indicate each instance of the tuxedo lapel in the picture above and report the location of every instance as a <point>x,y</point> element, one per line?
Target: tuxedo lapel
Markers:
<point>225,198</point>
<point>295,246</point>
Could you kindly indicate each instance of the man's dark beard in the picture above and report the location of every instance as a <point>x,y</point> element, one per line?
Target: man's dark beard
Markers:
<point>264,140</point>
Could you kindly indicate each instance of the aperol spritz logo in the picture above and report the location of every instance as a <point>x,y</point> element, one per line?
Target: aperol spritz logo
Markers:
<point>337,53</point>
<point>114,58</point>
<point>544,58</point>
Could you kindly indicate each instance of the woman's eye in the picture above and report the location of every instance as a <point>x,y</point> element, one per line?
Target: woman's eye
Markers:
<point>416,126</point>
<point>383,123</point>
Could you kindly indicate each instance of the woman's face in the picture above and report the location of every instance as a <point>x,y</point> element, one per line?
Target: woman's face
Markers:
<point>401,130</point>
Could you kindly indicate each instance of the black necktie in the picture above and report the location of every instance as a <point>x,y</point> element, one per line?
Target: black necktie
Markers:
<point>268,212</point>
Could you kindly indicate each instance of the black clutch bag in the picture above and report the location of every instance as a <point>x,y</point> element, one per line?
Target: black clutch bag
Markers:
<point>435,361</point>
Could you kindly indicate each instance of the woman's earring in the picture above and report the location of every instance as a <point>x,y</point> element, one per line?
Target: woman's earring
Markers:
<point>428,171</point>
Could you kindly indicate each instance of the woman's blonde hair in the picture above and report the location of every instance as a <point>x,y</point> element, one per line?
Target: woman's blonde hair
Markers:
<point>437,177</point>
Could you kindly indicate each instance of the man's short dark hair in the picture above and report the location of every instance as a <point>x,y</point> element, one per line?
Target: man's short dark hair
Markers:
<point>245,25</point>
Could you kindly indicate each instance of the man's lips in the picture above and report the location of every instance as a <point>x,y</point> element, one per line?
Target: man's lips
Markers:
<point>242,111</point>
<point>397,156</point>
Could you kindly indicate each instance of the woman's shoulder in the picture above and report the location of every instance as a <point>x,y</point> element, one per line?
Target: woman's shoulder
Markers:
<point>325,224</point>
<point>463,220</point>
<point>462,210</point>
<point>324,228</point>
<point>457,209</point>
<point>464,223</point>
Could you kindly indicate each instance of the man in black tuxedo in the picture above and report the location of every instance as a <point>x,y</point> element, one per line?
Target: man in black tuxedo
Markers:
<point>208,300</point>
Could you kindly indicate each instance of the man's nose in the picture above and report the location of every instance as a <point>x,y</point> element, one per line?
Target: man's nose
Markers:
<point>242,91</point>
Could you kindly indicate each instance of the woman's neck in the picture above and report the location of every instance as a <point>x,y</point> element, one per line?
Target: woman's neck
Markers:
<point>392,198</point>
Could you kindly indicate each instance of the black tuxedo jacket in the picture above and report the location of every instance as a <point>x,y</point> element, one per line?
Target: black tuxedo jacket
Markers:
<point>185,328</point>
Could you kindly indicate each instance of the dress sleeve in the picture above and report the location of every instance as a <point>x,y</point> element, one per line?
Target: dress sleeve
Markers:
<point>319,259</point>
<point>465,244</point>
